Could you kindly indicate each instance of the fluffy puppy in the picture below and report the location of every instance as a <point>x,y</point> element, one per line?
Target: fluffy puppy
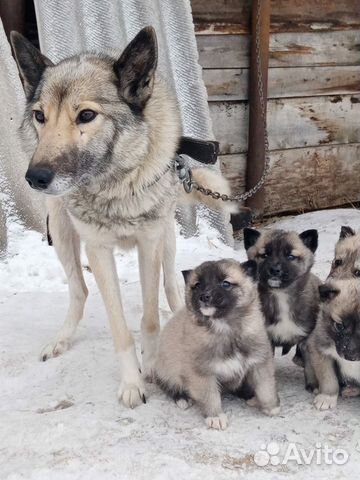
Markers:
<point>346,263</point>
<point>334,346</point>
<point>216,341</point>
<point>288,290</point>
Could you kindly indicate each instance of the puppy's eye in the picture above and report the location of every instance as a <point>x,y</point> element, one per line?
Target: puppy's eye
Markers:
<point>291,257</point>
<point>196,286</point>
<point>39,116</point>
<point>226,285</point>
<point>356,273</point>
<point>263,255</point>
<point>86,116</point>
<point>338,262</point>
<point>338,327</point>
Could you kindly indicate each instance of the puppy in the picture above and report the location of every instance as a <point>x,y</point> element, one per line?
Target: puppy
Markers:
<point>216,341</point>
<point>346,263</point>
<point>288,290</point>
<point>334,345</point>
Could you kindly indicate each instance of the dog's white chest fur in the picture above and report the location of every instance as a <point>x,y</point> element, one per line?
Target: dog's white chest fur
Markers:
<point>348,369</point>
<point>230,368</point>
<point>285,329</point>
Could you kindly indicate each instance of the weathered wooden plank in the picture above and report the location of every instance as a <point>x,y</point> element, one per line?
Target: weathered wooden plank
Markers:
<point>292,122</point>
<point>286,49</point>
<point>295,15</point>
<point>232,84</point>
<point>304,178</point>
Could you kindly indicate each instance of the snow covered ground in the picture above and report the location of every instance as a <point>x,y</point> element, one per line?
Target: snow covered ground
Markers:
<point>60,420</point>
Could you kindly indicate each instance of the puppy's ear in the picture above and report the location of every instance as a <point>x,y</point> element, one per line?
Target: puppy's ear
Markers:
<point>136,67</point>
<point>251,236</point>
<point>31,63</point>
<point>346,232</point>
<point>250,268</point>
<point>327,292</point>
<point>186,275</point>
<point>310,239</point>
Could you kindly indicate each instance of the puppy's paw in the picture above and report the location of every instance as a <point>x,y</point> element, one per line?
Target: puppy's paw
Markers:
<point>325,402</point>
<point>218,423</point>
<point>350,391</point>
<point>54,349</point>
<point>183,403</point>
<point>132,394</point>
<point>253,402</point>
<point>271,411</point>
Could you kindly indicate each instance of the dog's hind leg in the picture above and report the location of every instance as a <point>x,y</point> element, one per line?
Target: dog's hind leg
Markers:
<point>168,262</point>
<point>150,251</point>
<point>102,264</point>
<point>67,245</point>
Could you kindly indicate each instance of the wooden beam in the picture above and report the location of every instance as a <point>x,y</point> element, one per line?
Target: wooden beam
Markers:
<point>233,84</point>
<point>304,178</point>
<point>285,50</point>
<point>292,122</point>
<point>233,16</point>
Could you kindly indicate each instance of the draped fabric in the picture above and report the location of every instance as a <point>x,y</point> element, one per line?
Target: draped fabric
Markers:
<point>17,201</point>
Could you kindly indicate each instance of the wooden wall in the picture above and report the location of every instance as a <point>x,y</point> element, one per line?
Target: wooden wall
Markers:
<point>314,97</point>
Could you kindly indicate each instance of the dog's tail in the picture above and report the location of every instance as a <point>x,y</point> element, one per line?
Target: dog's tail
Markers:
<point>214,181</point>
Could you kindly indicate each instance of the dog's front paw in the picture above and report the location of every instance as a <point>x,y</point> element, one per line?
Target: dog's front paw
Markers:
<point>325,402</point>
<point>54,349</point>
<point>132,388</point>
<point>132,394</point>
<point>149,344</point>
<point>218,423</point>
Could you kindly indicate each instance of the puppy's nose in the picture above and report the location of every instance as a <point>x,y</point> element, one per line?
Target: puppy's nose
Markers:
<point>275,270</point>
<point>205,297</point>
<point>39,178</point>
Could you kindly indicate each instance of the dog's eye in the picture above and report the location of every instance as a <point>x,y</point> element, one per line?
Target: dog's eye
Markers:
<point>291,257</point>
<point>226,285</point>
<point>39,116</point>
<point>263,255</point>
<point>86,116</point>
<point>356,273</point>
<point>196,286</point>
<point>338,327</point>
<point>338,262</point>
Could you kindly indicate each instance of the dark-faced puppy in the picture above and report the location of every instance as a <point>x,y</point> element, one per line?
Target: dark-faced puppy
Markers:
<point>346,263</point>
<point>288,290</point>
<point>216,341</point>
<point>334,345</point>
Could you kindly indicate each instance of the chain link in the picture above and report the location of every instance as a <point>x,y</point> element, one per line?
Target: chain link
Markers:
<point>260,183</point>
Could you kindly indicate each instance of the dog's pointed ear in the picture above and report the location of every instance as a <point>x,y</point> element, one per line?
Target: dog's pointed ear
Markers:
<point>136,67</point>
<point>251,236</point>
<point>250,268</point>
<point>327,292</point>
<point>346,232</point>
<point>186,275</point>
<point>30,61</point>
<point>310,239</point>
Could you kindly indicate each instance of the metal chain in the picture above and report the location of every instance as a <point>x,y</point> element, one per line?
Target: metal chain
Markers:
<point>260,183</point>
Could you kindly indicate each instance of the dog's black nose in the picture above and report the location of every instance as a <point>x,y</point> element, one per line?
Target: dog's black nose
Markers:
<point>205,297</point>
<point>275,270</point>
<point>39,178</point>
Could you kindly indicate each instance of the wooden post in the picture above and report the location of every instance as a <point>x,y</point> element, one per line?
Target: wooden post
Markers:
<point>12,13</point>
<point>256,150</point>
